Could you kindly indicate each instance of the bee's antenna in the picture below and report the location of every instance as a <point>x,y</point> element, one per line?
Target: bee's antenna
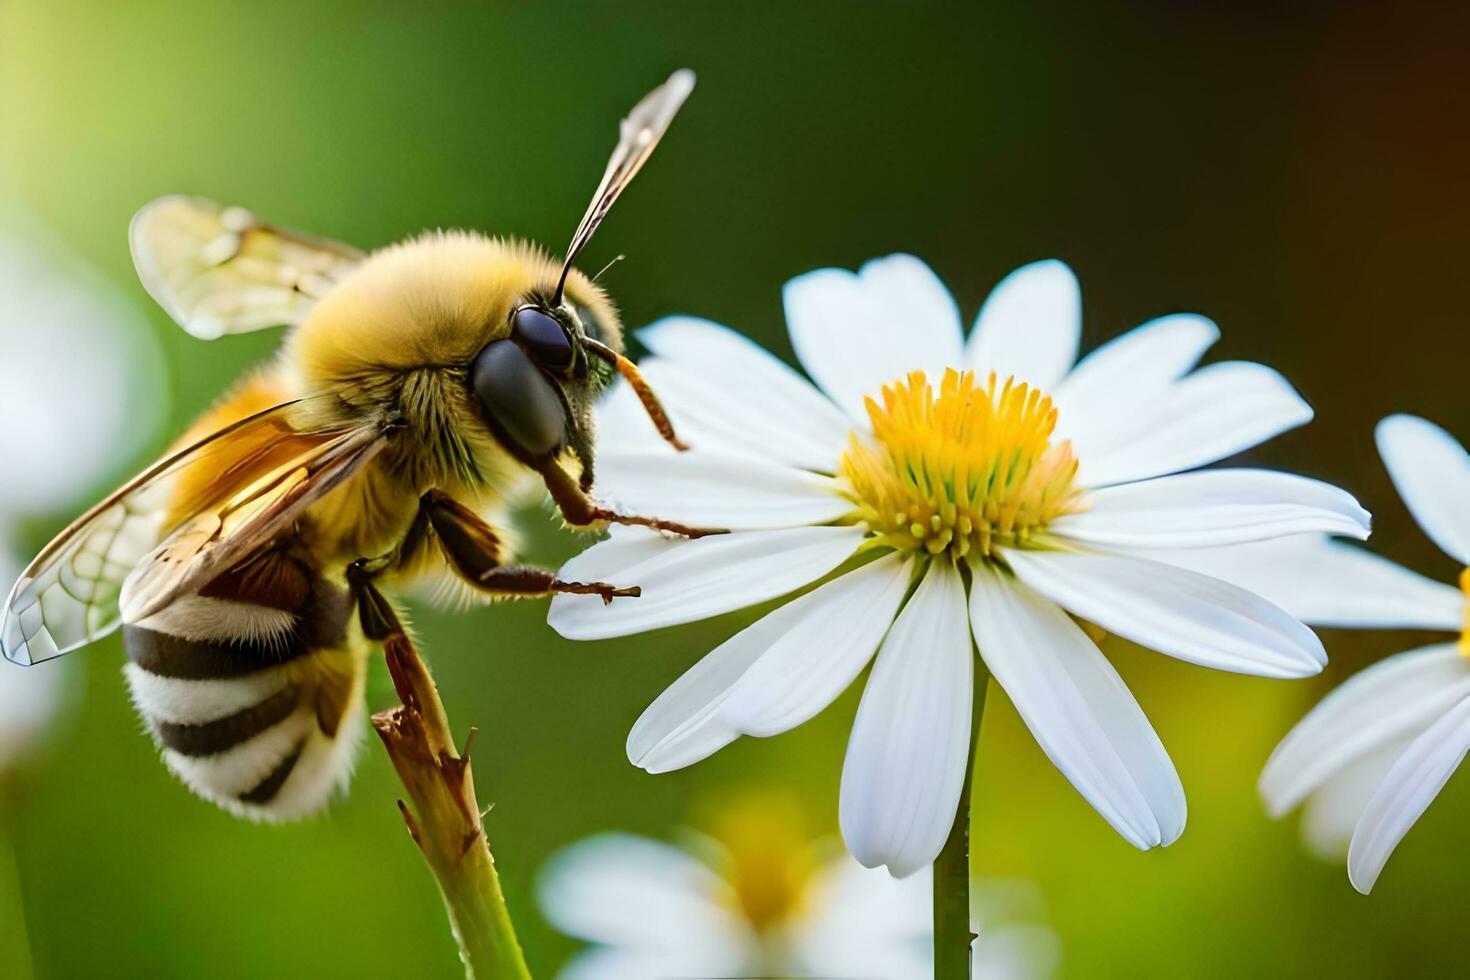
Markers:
<point>640,387</point>
<point>638,134</point>
<point>615,260</point>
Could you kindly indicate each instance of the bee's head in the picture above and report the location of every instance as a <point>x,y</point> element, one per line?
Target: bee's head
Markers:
<point>460,334</point>
<point>537,383</point>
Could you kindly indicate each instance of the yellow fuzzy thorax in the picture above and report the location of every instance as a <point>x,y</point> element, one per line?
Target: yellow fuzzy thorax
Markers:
<point>428,302</point>
<point>960,470</point>
<point>1465,630</point>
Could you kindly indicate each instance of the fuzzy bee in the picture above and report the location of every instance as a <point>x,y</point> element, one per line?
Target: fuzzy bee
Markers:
<point>420,390</point>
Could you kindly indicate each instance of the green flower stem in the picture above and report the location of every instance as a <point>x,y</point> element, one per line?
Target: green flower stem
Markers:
<point>952,932</point>
<point>444,818</point>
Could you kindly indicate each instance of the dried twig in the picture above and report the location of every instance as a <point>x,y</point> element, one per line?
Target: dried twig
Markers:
<point>442,815</point>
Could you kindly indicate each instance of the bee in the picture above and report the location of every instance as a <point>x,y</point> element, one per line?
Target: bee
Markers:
<point>420,391</point>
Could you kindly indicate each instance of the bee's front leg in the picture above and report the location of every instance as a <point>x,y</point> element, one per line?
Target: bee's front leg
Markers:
<point>472,549</point>
<point>579,510</point>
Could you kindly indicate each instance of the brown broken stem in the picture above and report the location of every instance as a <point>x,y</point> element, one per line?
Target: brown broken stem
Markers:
<point>442,815</point>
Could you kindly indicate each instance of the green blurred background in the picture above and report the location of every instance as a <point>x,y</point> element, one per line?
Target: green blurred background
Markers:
<point>1298,175</point>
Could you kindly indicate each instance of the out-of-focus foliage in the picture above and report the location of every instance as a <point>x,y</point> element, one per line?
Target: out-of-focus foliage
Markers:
<point>1298,175</point>
<point>79,392</point>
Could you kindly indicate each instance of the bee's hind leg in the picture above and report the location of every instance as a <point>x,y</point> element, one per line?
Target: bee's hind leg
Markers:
<point>473,550</point>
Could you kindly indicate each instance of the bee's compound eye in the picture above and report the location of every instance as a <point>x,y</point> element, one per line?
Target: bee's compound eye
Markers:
<point>519,402</point>
<point>543,337</point>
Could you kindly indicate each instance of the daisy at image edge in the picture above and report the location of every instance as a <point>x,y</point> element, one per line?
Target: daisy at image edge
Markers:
<point>79,390</point>
<point>1370,758</point>
<point>993,488</point>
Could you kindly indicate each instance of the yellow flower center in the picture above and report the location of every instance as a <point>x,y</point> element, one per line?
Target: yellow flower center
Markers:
<point>1465,632</point>
<point>771,862</point>
<point>960,470</point>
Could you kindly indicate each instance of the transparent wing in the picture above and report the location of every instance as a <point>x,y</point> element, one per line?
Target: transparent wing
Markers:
<point>221,537</point>
<point>638,134</point>
<point>218,270</point>
<point>70,597</point>
<point>71,593</point>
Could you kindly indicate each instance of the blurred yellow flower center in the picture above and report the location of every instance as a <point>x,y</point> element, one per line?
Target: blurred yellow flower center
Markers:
<point>771,862</point>
<point>962,469</point>
<point>1465,632</point>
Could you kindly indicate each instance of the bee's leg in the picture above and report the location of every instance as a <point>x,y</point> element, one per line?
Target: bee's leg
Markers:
<point>579,510</point>
<point>377,615</point>
<point>473,550</point>
<point>527,580</point>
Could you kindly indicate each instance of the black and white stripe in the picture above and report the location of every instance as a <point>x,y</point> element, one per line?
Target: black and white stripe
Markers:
<point>254,691</point>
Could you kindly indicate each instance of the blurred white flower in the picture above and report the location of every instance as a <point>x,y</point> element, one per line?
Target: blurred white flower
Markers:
<point>28,698</point>
<point>764,901</point>
<point>993,511</point>
<point>79,392</point>
<point>1370,758</point>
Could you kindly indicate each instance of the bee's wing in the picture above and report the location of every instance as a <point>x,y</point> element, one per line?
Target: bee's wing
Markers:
<point>638,134</point>
<point>218,270</point>
<point>68,596</point>
<point>71,593</point>
<point>218,538</point>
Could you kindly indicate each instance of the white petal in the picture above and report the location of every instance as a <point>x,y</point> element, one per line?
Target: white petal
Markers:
<point>1211,508</point>
<point>1077,706</point>
<point>624,547</point>
<point>717,490</point>
<point>623,425</point>
<point>855,333</point>
<point>841,625</point>
<point>708,415</point>
<point>1432,473</point>
<point>1174,611</point>
<point>683,725</point>
<point>849,899</point>
<point>1328,583</point>
<point>1384,702</point>
<point>1213,413</point>
<point>631,891</point>
<point>908,753</point>
<point>857,922</point>
<point>1406,792</point>
<point>1107,390</point>
<point>693,580</point>
<point>1331,814</point>
<point>723,389</point>
<point>1029,326</point>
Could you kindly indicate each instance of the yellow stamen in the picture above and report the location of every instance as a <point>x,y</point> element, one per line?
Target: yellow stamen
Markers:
<point>1465,632</point>
<point>961,470</point>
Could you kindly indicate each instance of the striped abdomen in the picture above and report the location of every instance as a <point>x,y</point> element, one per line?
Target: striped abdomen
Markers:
<point>253,688</point>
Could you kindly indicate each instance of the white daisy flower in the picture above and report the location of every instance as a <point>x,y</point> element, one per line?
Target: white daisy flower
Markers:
<point>1372,756</point>
<point>1001,492</point>
<point>767,902</point>
<point>77,393</point>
